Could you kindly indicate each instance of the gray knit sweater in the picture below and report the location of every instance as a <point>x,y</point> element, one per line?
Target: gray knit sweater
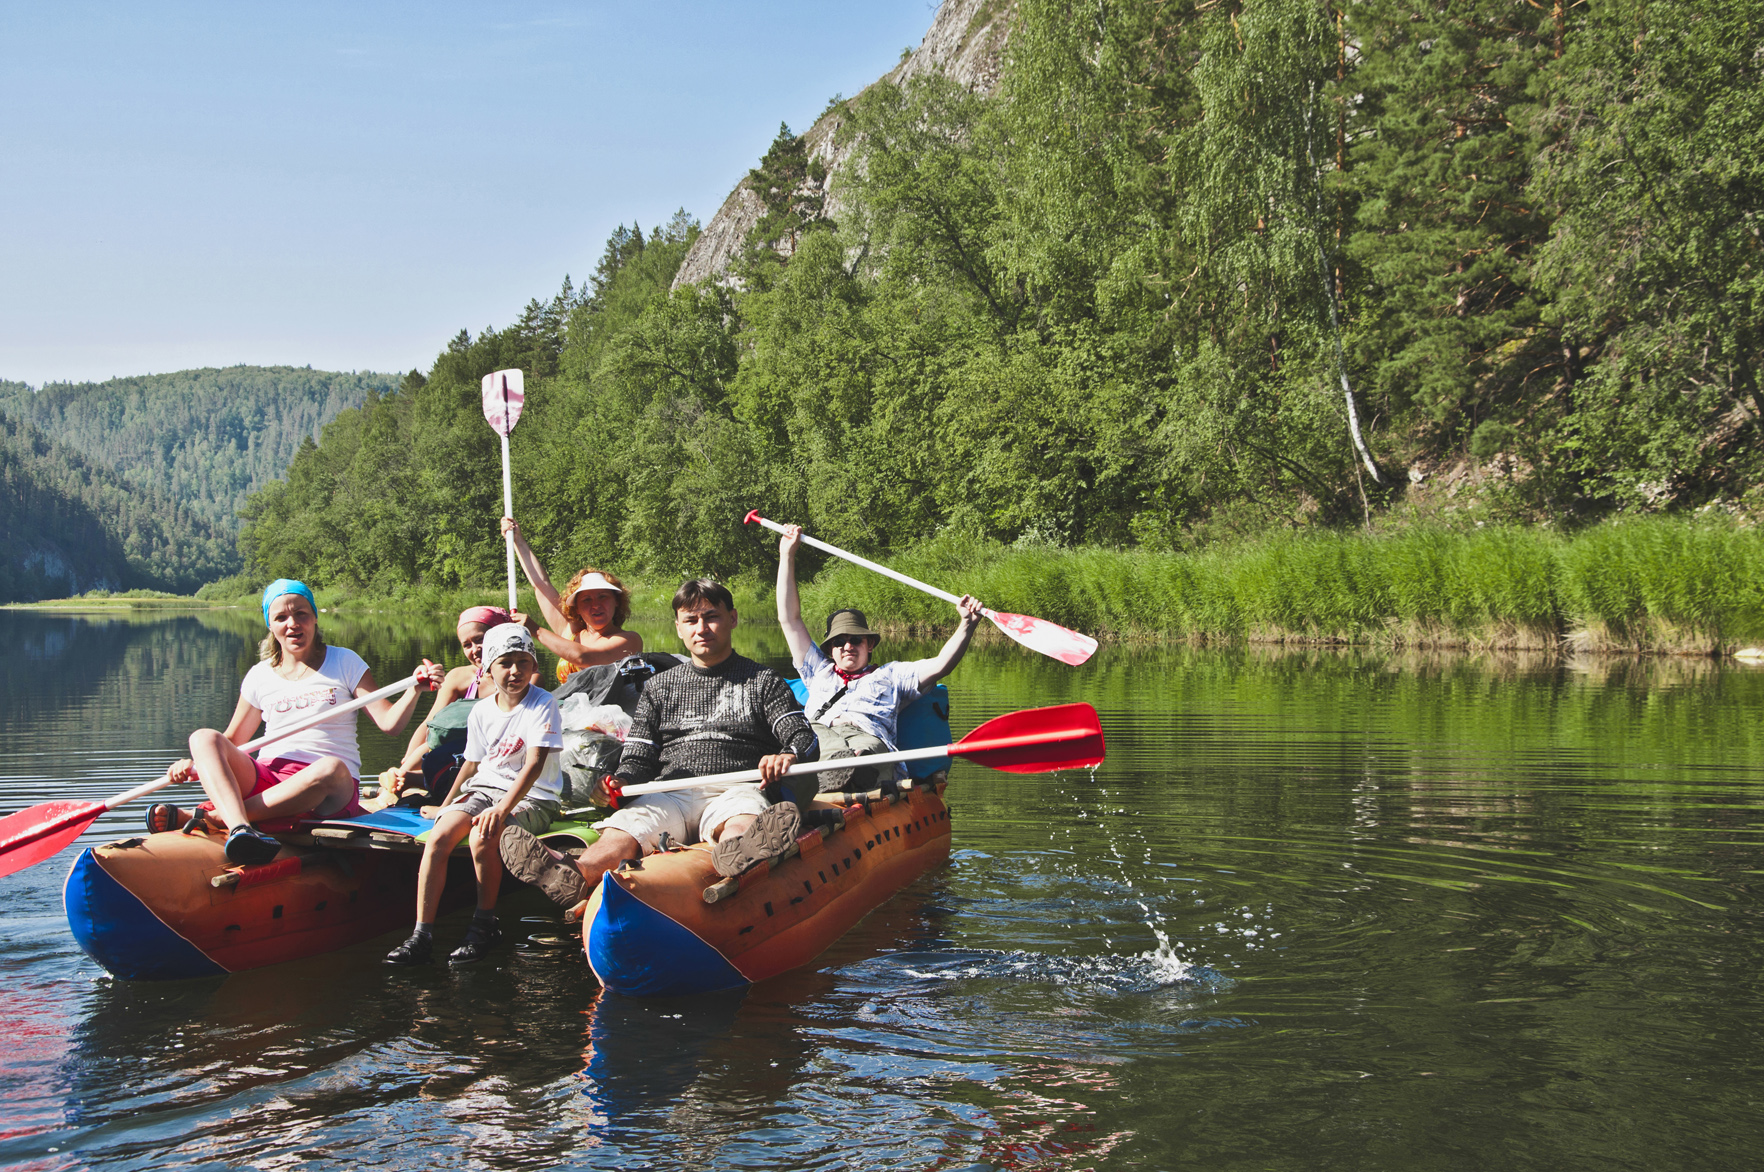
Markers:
<point>693,721</point>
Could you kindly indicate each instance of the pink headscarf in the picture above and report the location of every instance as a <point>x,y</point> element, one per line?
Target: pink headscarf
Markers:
<point>485,616</point>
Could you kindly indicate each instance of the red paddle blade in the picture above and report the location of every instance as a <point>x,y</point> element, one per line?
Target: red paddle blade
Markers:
<point>1050,639</point>
<point>1037,740</point>
<point>32,835</point>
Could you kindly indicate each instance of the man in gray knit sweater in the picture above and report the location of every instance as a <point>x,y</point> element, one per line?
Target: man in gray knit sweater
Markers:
<point>718,714</point>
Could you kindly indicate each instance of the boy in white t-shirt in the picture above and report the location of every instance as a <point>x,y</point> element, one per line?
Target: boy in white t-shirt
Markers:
<point>510,776</point>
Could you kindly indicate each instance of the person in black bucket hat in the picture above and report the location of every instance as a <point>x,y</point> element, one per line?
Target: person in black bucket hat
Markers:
<point>854,703</point>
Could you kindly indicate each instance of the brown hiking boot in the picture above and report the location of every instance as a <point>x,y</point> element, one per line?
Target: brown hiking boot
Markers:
<point>771,834</point>
<point>531,861</point>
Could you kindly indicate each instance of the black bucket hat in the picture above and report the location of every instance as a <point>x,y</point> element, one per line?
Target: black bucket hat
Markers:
<point>848,622</point>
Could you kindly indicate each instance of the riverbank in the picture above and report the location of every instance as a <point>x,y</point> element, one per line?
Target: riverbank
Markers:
<point>1650,585</point>
<point>1642,585</point>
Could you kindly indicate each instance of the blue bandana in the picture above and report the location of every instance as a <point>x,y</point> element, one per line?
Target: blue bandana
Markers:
<point>283,586</point>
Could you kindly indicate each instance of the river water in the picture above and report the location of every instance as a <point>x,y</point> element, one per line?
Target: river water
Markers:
<point>1332,909</point>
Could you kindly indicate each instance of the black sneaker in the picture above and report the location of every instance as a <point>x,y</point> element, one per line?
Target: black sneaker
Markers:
<point>251,847</point>
<point>532,862</point>
<point>478,943</point>
<point>771,834</point>
<point>419,949</point>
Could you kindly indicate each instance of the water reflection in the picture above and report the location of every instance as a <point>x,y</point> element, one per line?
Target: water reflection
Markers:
<point>1331,907</point>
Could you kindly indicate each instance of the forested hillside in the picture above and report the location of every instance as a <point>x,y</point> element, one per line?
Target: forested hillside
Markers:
<point>1198,269</point>
<point>68,526</point>
<point>205,438</point>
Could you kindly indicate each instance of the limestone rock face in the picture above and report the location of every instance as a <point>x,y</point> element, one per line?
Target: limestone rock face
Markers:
<point>966,43</point>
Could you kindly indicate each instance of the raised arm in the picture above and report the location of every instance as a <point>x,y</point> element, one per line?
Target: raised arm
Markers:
<point>796,632</point>
<point>957,646</point>
<point>453,687</point>
<point>392,715</point>
<point>549,606</point>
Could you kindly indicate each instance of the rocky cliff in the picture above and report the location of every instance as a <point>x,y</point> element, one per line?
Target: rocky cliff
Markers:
<point>966,42</point>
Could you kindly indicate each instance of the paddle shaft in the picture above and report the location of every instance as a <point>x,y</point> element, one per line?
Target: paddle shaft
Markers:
<point>508,509</point>
<point>866,563</point>
<point>87,813</point>
<point>929,752</point>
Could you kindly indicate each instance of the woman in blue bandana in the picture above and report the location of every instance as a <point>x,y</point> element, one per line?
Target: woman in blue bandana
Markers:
<point>312,774</point>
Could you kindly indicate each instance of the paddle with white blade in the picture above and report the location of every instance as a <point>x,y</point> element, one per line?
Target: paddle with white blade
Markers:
<point>36,833</point>
<point>504,395</point>
<point>1050,639</point>
<point>1035,740</point>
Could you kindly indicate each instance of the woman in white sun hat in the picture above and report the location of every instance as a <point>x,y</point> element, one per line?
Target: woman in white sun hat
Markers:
<point>587,623</point>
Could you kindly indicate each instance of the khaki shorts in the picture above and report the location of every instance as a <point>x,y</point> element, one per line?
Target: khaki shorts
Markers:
<point>688,815</point>
<point>532,816</point>
<point>851,738</point>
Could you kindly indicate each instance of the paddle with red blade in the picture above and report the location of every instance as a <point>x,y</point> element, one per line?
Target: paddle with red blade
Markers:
<point>33,834</point>
<point>1050,639</point>
<point>1035,740</point>
<point>504,395</point>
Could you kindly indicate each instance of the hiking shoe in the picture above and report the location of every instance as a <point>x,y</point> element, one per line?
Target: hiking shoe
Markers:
<point>163,816</point>
<point>532,862</point>
<point>771,834</point>
<point>419,949</point>
<point>251,847</point>
<point>478,943</point>
<point>834,780</point>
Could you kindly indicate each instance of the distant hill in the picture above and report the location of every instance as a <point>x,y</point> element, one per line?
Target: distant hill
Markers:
<point>205,439</point>
<point>68,525</point>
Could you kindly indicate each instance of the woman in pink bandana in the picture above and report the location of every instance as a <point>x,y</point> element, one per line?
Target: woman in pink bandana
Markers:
<point>462,683</point>
<point>587,621</point>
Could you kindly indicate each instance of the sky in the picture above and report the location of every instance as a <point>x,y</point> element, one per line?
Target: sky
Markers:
<point>347,186</point>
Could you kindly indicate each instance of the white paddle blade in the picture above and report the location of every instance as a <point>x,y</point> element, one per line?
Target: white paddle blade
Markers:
<point>503,396</point>
<point>1051,639</point>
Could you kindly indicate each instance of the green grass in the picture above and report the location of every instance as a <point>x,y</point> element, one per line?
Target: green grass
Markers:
<point>1652,584</point>
<point>1648,584</point>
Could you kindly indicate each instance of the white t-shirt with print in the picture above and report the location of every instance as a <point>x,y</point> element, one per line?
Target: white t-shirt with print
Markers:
<point>872,702</point>
<point>285,702</point>
<point>498,741</point>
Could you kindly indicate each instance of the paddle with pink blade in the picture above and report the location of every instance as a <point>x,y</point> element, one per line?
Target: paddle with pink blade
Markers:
<point>504,395</point>
<point>1051,639</point>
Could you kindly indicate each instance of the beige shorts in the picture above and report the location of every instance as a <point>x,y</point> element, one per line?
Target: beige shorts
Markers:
<point>688,815</point>
<point>532,816</point>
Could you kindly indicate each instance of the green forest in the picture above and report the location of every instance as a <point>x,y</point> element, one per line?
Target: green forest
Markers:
<point>136,483</point>
<point>69,525</point>
<point>1197,273</point>
<point>208,438</point>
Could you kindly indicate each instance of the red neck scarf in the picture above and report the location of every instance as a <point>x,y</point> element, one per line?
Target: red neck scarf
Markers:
<point>853,676</point>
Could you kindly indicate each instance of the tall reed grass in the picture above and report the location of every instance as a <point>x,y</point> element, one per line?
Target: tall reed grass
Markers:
<point>1644,584</point>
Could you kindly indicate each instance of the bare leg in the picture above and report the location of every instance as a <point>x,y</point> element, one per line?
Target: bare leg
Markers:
<point>226,774</point>
<point>487,862</point>
<point>450,827</point>
<point>732,828</point>
<point>323,787</point>
<point>612,848</point>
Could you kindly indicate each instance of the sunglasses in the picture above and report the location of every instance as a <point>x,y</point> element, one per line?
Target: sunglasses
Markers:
<point>839,641</point>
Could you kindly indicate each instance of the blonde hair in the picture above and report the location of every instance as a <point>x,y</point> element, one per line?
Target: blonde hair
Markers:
<point>621,607</point>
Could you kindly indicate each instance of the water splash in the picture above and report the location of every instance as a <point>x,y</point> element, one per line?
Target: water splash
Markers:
<point>1156,969</point>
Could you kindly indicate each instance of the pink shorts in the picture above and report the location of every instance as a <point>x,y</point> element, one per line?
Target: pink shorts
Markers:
<point>280,769</point>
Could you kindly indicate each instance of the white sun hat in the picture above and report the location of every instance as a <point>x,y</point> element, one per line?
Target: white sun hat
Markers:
<point>594,581</point>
